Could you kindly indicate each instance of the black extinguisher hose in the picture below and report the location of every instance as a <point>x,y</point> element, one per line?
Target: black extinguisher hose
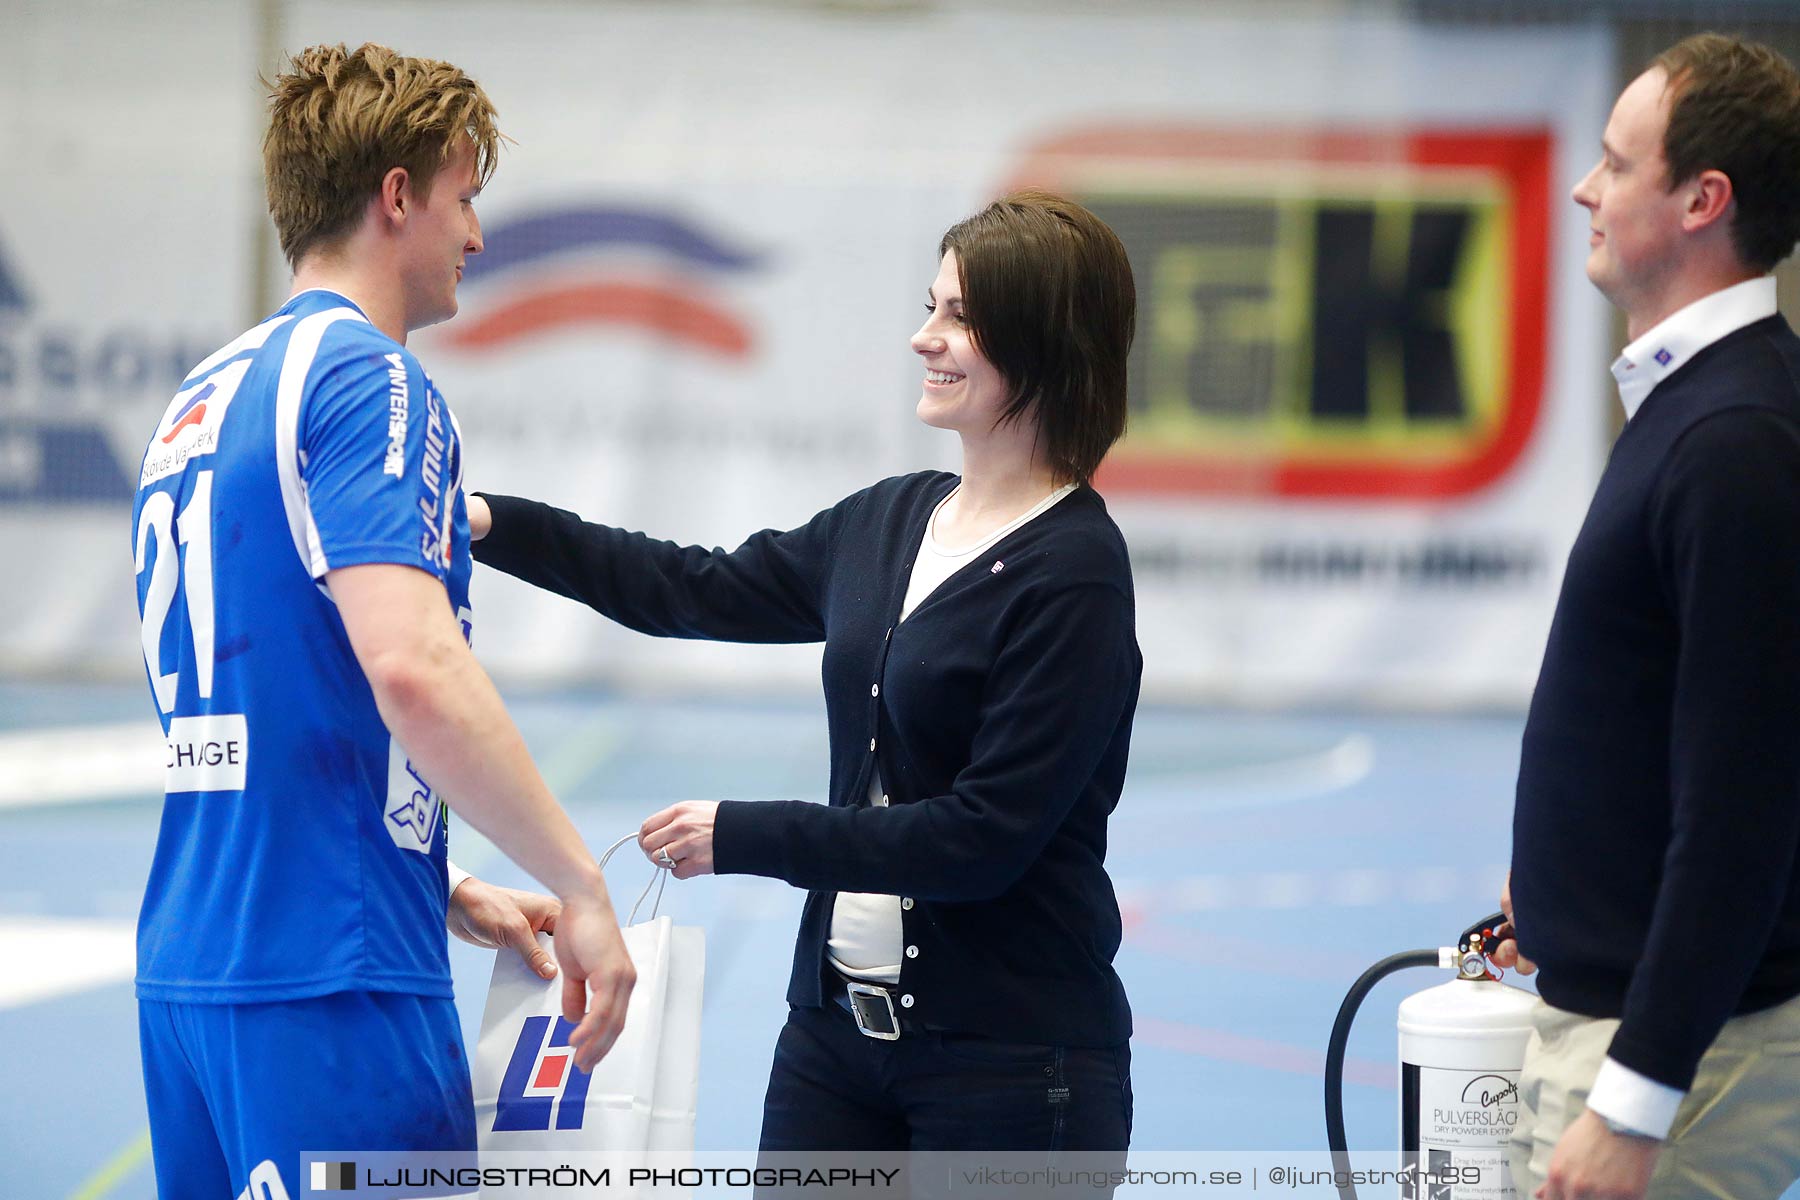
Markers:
<point>1340,1039</point>
<point>1334,1058</point>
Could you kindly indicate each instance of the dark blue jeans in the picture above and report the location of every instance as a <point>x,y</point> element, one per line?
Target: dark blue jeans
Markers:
<point>831,1088</point>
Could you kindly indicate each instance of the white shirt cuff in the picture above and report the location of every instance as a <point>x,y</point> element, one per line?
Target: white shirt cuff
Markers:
<point>457,875</point>
<point>1637,1102</point>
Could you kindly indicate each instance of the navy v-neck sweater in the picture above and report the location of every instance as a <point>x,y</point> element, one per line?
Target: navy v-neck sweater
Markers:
<point>999,714</point>
<point>1657,825</point>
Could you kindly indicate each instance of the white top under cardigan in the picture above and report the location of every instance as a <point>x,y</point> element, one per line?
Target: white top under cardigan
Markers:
<point>866,936</point>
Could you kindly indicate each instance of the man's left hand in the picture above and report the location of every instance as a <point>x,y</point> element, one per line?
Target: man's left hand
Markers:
<point>496,917</point>
<point>1594,1163</point>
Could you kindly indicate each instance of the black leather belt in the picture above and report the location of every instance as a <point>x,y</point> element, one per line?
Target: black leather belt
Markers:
<point>875,1006</point>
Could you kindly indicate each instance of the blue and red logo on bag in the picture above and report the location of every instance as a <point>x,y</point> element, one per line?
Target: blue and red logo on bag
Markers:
<point>541,1085</point>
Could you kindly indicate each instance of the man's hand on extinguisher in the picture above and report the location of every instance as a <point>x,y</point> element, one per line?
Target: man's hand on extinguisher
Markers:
<point>1506,954</point>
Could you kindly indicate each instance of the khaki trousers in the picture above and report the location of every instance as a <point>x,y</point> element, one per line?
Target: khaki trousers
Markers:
<point>1736,1135</point>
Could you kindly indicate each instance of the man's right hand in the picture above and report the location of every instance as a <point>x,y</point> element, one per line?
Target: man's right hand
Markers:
<point>1506,954</point>
<point>597,976</point>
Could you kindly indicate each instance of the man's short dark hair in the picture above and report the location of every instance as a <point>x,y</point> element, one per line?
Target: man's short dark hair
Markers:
<point>1048,293</point>
<point>1735,107</point>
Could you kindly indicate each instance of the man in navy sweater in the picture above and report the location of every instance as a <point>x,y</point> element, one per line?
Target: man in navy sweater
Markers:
<point>1655,869</point>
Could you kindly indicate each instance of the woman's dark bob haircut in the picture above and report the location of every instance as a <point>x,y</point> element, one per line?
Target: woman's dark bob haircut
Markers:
<point>1050,303</point>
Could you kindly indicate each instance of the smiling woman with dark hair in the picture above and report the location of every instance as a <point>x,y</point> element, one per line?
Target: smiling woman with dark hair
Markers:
<point>952,984</point>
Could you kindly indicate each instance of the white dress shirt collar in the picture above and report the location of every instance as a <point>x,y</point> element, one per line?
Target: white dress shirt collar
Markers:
<point>1684,333</point>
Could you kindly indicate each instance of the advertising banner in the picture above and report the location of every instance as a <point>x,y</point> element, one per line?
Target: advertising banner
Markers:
<point>130,205</point>
<point>1368,381</point>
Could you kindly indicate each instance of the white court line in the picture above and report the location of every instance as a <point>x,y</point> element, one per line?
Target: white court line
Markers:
<point>1239,785</point>
<point>1346,762</point>
<point>48,957</point>
<point>71,764</point>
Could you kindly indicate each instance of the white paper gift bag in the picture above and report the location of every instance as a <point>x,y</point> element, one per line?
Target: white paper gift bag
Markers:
<point>678,1051</point>
<point>641,1096</point>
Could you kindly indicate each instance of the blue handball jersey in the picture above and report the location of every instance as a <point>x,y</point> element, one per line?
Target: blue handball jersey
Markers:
<point>300,853</point>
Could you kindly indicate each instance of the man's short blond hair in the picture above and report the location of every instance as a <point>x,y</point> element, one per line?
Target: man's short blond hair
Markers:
<point>340,120</point>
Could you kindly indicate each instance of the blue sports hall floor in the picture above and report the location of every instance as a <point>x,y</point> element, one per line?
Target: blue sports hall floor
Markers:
<point>1262,862</point>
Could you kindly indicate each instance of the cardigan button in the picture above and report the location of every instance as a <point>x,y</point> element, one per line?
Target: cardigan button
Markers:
<point>883,802</point>
<point>906,1001</point>
<point>871,745</point>
<point>906,903</point>
<point>912,952</point>
<point>874,689</point>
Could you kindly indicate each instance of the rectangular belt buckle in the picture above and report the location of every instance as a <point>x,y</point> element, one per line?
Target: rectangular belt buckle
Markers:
<point>866,1010</point>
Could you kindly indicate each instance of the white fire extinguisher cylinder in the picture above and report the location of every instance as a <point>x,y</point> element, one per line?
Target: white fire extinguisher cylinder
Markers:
<point>1462,1045</point>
